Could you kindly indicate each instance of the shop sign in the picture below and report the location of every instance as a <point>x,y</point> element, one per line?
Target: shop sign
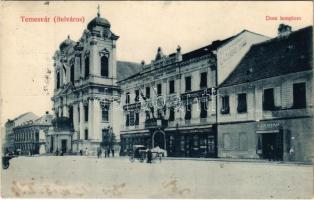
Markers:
<point>269,126</point>
<point>207,130</point>
<point>134,106</point>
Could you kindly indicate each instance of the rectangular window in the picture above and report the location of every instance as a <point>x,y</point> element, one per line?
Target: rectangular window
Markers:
<point>159,89</point>
<point>132,119</point>
<point>268,99</point>
<point>137,118</point>
<point>188,83</point>
<point>171,87</point>
<point>127,98</point>
<point>86,134</point>
<point>86,113</point>
<point>147,92</point>
<point>137,95</point>
<point>225,109</point>
<point>203,113</point>
<point>203,83</point>
<point>242,105</point>
<point>188,112</point>
<point>299,95</point>
<point>171,114</point>
<point>105,112</point>
<point>127,120</point>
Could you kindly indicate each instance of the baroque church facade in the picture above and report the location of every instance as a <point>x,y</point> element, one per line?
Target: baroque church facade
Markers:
<point>86,90</point>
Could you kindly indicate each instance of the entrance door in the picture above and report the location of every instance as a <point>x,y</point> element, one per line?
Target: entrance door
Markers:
<point>64,146</point>
<point>272,146</point>
<point>159,139</point>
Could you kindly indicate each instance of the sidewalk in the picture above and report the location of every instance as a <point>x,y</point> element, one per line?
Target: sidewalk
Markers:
<point>239,160</point>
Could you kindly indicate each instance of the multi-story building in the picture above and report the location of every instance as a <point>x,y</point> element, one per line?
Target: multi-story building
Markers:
<point>171,103</point>
<point>86,90</point>
<point>30,136</point>
<point>266,104</point>
<point>9,126</point>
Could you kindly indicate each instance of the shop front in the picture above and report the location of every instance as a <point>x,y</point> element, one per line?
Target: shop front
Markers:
<point>270,140</point>
<point>191,143</point>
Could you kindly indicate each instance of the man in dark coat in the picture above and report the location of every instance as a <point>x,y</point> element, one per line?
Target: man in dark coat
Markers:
<point>149,156</point>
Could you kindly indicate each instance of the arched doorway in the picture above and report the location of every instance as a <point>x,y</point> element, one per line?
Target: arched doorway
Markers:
<point>159,139</point>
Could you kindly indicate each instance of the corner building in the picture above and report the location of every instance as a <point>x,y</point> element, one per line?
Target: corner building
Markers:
<point>171,103</point>
<point>86,90</point>
<point>268,101</point>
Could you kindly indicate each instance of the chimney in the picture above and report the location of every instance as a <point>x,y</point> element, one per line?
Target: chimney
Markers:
<point>284,30</point>
<point>47,112</point>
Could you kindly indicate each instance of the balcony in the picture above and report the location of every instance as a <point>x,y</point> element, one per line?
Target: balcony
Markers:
<point>156,123</point>
<point>62,124</point>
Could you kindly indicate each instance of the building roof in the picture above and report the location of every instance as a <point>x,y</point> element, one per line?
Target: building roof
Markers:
<point>275,57</point>
<point>98,21</point>
<point>44,120</point>
<point>206,49</point>
<point>24,117</point>
<point>126,69</point>
<point>195,53</point>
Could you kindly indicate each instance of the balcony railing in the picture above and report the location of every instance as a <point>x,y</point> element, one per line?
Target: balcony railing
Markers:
<point>160,123</point>
<point>156,123</point>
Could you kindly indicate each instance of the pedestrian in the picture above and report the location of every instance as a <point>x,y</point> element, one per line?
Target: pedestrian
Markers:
<point>98,152</point>
<point>112,152</point>
<point>149,156</point>
<point>81,152</point>
<point>291,153</point>
<point>86,151</point>
<point>272,152</point>
<point>108,152</point>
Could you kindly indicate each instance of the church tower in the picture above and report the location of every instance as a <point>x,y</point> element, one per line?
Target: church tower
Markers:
<point>86,88</point>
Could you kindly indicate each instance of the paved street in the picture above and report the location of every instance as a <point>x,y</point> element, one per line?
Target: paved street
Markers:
<point>75,176</point>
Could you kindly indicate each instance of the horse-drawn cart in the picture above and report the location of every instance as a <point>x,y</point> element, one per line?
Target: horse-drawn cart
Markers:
<point>141,153</point>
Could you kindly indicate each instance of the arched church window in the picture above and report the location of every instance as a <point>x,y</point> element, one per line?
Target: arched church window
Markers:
<point>64,79</point>
<point>86,66</point>
<point>72,74</point>
<point>104,66</point>
<point>58,80</point>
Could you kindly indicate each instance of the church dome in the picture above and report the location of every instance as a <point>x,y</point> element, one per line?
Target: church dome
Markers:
<point>66,43</point>
<point>98,21</point>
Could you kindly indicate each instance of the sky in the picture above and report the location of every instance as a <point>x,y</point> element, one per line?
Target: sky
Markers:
<point>27,48</point>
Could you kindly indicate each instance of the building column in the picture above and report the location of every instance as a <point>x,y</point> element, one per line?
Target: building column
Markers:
<point>112,62</point>
<point>65,111</point>
<point>90,119</point>
<point>196,109</point>
<point>76,118</point>
<point>94,59</point>
<point>77,65</point>
<point>60,111</point>
<point>117,115</point>
<point>96,119</point>
<point>82,120</point>
<point>178,85</point>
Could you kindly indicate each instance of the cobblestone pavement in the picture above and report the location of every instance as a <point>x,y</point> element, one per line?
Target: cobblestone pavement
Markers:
<point>75,176</point>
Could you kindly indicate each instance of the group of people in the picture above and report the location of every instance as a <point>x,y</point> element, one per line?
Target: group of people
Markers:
<point>106,152</point>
